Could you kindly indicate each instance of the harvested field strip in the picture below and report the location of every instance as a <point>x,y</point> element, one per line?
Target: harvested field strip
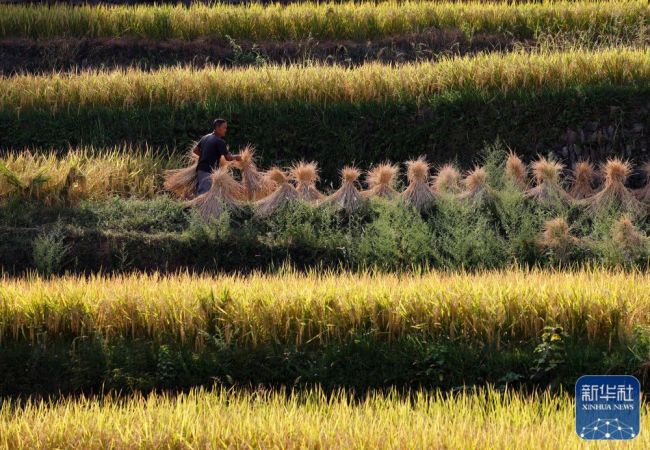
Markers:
<point>319,308</point>
<point>482,419</point>
<point>24,55</point>
<point>328,20</point>
<point>493,73</point>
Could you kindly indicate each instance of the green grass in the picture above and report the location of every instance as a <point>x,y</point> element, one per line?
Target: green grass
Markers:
<point>483,419</point>
<point>366,20</point>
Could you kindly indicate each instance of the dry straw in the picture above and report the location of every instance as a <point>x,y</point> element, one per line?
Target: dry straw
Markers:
<point>347,197</point>
<point>476,186</point>
<point>182,182</point>
<point>547,176</point>
<point>305,175</point>
<point>418,193</point>
<point>447,181</point>
<point>222,196</point>
<point>256,186</point>
<point>556,236</point>
<point>628,238</point>
<point>614,194</point>
<point>381,181</point>
<point>283,194</point>
<point>583,180</point>
<point>516,171</point>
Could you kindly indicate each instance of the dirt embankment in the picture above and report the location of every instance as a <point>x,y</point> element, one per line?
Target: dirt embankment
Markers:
<point>32,55</point>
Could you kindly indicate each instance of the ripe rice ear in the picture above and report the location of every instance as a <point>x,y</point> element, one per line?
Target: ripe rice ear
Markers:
<point>516,171</point>
<point>256,185</point>
<point>547,177</point>
<point>447,181</point>
<point>556,236</point>
<point>283,194</point>
<point>614,194</point>
<point>643,194</point>
<point>221,197</point>
<point>418,193</point>
<point>305,175</point>
<point>347,197</point>
<point>475,184</point>
<point>583,180</point>
<point>381,181</point>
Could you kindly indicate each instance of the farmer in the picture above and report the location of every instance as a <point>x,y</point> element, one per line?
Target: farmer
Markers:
<point>210,149</point>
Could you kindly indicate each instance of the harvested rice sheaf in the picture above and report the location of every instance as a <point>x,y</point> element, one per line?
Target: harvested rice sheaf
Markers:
<point>347,197</point>
<point>182,182</point>
<point>305,175</point>
<point>418,193</point>
<point>283,194</point>
<point>516,171</point>
<point>614,194</point>
<point>548,188</point>
<point>447,181</point>
<point>381,181</point>
<point>475,184</point>
<point>628,237</point>
<point>556,236</point>
<point>256,185</point>
<point>583,180</point>
<point>221,197</point>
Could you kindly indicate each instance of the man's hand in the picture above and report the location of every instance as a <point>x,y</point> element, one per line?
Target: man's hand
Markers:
<point>231,157</point>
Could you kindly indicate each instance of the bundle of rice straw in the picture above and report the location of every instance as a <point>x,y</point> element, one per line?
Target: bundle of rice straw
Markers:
<point>347,197</point>
<point>283,194</point>
<point>418,193</point>
<point>547,177</point>
<point>182,182</point>
<point>556,236</point>
<point>516,171</point>
<point>305,176</point>
<point>643,194</point>
<point>583,179</point>
<point>256,185</point>
<point>447,181</point>
<point>381,181</point>
<point>628,238</point>
<point>221,197</point>
<point>475,183</point>
<point>614,193</point>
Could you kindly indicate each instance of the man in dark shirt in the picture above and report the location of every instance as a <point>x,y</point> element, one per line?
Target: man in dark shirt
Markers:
<point>210,149</point>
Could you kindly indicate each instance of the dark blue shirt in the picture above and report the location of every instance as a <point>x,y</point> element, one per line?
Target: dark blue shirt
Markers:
<point>212,148</point>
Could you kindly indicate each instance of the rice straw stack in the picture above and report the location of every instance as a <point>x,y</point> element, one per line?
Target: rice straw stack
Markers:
<point>305,175</point>
<point>381,181</point>
<point>283,194</point>
<point>547,177</point>
<point>418,193</point>
<point>347,197</point>
<point>221,197</point>
<point>583,180</point>
<point>447,181</point>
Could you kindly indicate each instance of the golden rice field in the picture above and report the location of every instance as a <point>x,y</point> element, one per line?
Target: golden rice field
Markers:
<point>485,419</point>
<point>347,20</point>
<point>82,173</point>
<point>178,86</point>
<point>323,306</point>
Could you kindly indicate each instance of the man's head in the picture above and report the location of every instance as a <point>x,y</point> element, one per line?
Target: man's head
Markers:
<point>220,127</point>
